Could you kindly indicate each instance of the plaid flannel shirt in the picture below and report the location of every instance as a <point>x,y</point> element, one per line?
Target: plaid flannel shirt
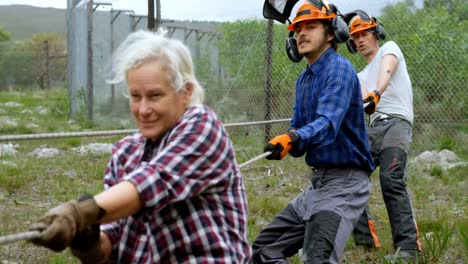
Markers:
<point>195,206</point>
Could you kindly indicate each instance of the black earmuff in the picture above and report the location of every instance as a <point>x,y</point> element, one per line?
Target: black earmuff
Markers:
<point>379,29</point>
<point>339,25</point>
<point>340,29</point>
<point>291,48</point>
<point>351,46</point>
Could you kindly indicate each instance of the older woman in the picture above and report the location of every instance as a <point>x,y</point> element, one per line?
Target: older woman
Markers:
<point>173,191</point>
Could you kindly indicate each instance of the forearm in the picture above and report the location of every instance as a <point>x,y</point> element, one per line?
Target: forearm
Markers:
<point>364,91</point>
<point>383,80</point>
<point>119,201</point>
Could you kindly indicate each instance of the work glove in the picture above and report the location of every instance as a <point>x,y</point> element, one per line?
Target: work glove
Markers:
<point>61,224</point>
<point>280,145</point>
<point>86,246</point>
<point>373,99</point>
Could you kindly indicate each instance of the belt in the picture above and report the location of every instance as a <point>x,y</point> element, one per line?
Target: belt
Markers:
<point>383,116</point>
<point>386,117</point>
<point>342,171</point>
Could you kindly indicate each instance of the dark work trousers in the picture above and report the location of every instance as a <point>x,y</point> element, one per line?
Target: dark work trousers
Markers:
<point>319,220</point>
<point>390,139</point>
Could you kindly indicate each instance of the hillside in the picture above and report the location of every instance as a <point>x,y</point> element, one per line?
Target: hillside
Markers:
<point>23,21</point>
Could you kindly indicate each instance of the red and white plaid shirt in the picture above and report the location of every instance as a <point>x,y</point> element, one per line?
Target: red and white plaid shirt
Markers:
<point>195,206</point>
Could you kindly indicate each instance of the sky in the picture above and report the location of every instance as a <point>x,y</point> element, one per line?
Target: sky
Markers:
<point>172,9</point>
<point>210,10</point>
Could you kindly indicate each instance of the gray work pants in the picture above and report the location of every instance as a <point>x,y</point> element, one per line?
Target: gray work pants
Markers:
<point>319,220</point>
<point>390,140</point>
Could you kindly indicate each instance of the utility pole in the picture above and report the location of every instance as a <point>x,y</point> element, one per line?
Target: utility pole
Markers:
<point>151,25</point>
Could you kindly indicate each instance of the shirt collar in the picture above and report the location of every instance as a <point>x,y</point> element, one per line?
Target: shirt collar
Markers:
<point>321,61</point>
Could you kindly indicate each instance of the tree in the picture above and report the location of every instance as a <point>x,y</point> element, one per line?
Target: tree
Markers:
<point>4,36</point>
<point>50,53</point>
<point>26,63</point>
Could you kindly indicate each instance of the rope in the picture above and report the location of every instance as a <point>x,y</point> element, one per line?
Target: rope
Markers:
<point>64,135</point>
<point>111,132</point>
<point>19,236</point>
<point>36,234</point>
<point>259,157</point>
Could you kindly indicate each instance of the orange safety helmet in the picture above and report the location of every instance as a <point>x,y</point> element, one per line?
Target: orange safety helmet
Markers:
<point>357,23</point>
<point>308,11</point>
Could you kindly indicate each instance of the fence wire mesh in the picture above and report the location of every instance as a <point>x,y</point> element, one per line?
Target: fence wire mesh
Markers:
<point>247,75</point>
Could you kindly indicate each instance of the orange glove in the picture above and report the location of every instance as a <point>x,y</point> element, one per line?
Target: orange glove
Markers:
<point>373,99</point>
<point>281,145</point>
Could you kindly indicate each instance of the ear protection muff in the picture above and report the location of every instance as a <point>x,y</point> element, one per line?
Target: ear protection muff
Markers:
<point>339,25</point>
<point>351,46</point>
<point>340,29</point>
<point>379,29</point>
<point>291,48</point>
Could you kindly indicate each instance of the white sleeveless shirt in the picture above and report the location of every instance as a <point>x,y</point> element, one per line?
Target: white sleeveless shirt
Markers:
<point>398,97</point>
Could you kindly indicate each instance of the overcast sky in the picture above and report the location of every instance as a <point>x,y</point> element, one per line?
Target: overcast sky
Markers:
<point>217,10</point>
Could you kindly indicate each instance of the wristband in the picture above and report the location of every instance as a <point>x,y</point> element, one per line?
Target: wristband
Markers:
<point>293,135</point>
<point>377,93</point>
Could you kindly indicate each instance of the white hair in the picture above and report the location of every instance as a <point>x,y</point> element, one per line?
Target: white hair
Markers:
<point>143,46</point>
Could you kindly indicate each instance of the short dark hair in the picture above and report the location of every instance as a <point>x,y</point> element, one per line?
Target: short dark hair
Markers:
<point>329,30</point>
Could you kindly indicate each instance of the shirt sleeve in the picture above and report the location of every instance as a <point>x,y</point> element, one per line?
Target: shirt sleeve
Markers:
<point>194,157</point>
<point>113,232</point>
<point>391,47</point>
<point>125,153</point>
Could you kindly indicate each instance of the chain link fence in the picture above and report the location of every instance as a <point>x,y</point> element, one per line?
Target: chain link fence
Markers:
<point>257,80</point>
<point>247,75</point>
<point>431,37</point>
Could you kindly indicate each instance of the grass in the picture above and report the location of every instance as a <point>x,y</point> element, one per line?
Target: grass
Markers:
<point>29,186</point>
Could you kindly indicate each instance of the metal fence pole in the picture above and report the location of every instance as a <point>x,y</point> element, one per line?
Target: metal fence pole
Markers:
<point>268,77</point>
<point>90,60</point>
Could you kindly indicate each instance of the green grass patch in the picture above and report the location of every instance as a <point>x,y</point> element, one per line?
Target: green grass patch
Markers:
<point>32,185</point>
<point>437,171</point>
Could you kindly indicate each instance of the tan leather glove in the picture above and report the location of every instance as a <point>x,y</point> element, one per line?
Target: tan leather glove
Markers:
<point>281,145</point>
<point>61,224</point>
<point>86,246</point>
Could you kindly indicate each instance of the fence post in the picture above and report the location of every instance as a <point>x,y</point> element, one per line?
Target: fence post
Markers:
<point>151,15</point>
<point>268,74</point>
<point>158,14</point>
<point>47,65</point>
<point>90,59</point>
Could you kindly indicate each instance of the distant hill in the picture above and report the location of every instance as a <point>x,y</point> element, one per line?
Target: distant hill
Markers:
<point>23,21</point>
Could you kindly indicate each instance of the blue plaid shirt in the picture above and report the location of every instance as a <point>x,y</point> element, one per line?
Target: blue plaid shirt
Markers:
<point>329,116</point>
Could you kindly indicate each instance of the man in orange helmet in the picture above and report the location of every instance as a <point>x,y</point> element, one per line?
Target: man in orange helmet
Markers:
<point>328,127</point>
<point>388,92</point>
